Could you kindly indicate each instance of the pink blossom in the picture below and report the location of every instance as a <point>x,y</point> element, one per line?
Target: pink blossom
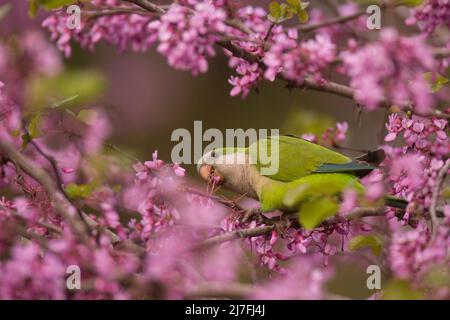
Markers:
<point>188,39</point>
<point>297,61</point>
<point>249,75</point>
<point>391,68</point>
<point>132,31</point>
<point>430,15</point>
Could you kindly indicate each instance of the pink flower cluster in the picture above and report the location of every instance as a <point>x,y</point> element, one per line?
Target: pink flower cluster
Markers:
<point>37,56</point>
<point>392,68</point>
<point>331,137</point>
<point>413,253</point>
<point>297,61</point>
<point>249,74</point>
<point>413,168</point>
<point>122,30</point>
<point>427,135</point>
<point>187,37</point>
<point>412,173</point>
<point>430,15</point>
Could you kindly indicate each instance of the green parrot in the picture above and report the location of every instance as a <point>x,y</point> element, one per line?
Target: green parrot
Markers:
<point>309,180</point>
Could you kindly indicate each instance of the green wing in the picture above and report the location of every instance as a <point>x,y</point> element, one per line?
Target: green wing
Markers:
<point>356,168</point>
<point>299,157</point>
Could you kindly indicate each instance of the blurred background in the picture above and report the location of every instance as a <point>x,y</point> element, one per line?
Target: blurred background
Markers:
<point>146,100</point>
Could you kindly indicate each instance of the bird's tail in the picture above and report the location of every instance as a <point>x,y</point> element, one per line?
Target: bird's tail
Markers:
<point>401,204</point>
<point>395,202</point>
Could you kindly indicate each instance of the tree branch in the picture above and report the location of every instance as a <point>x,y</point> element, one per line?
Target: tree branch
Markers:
<point>147,5</point>
<point>327,23</point>
<point>441,53</point>
<point>308,83</point>
<point>434,198</point>
<point>237,234</point>
<point>219,290</point>
<point>95,14</point>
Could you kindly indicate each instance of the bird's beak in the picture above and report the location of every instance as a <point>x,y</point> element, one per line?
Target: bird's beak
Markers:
<point>208,173</point>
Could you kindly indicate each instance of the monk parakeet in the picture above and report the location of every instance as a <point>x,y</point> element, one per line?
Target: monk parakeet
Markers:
<point>309,180</point>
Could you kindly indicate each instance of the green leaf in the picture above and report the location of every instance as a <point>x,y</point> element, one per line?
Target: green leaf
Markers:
<point>286,12</point>
<point>314,211</point>
<point>298,8</point>
<point>63,103</point>
<point>274,11</point>
<point>33,8</point>
<point>401,290</point>
<point>79,190</point>
<point>26,139</point>
<point>34,128</point>
<point>35,5</point>
<point>370,241</point>
<point>280,12</point>
<point>89,117</point>
<point>409,3</point>
<point>436,81</point>
<point>303,16</point>
<point>298,4</point>
<point>70,88</point>
<point>55,4</point>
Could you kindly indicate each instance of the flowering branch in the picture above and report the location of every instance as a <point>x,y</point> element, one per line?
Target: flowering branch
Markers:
<point>355,214</point>
<point>63,206</point>
<point>306,81</point>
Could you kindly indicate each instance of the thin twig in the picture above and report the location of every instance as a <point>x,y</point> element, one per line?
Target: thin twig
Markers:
<point>95,14</point>
<point>237,234</point>
<point>219,290</point>
<point>333,21</point>
<point>147,5</point>
<point>79,224</point>
<point>442,53</point>
<point>434,199</point>
<point>309,83</point>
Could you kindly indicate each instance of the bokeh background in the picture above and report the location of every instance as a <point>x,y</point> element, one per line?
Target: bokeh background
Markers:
<point>146,100</point>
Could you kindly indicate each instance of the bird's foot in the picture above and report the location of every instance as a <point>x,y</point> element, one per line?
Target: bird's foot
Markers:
<point>284,223</point>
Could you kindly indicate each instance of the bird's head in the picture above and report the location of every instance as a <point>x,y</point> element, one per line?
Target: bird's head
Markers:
<point>223,166</point>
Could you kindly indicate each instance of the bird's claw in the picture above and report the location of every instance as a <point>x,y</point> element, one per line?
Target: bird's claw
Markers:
<point>284,223</point>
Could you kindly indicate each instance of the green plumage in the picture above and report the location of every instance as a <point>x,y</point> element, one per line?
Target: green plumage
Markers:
<point>308,174</point>
<point>297,157</point>
<point>310,178</point>
<point>288,195</point>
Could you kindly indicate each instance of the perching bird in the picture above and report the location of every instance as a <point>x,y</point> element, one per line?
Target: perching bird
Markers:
<point>310,178</point>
